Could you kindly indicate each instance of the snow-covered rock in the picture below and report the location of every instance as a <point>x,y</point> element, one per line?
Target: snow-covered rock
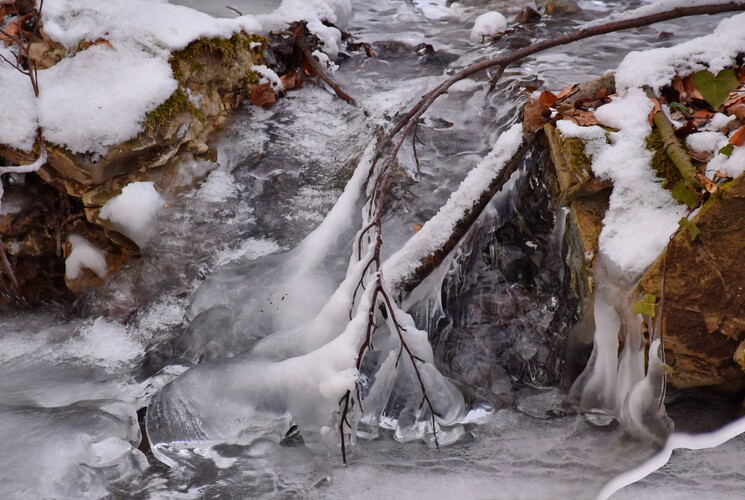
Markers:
<point>487,25</point>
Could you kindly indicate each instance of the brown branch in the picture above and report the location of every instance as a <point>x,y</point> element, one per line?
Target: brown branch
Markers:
<point>318,69</point>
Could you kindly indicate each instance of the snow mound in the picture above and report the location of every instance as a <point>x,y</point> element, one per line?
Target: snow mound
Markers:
<point>84,256</point>
<point>134,211</point>
<point>487,25</point>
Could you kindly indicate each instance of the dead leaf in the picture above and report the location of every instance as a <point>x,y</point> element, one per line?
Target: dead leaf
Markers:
<point>535,115</point>
<point>10,32</point>
<point>417,227</point>
<point>691,89</point>
<point>678,85</point>
<point>738,110</point>
<point>702,156</point>
<point>706,183</point>
<point>738,138</point>
<point>655,110</point>
<point>86,44</point>
<point>289,80</point>
<point>582,117</point>
<point>602,93</point>
<point>564,93</point>
<point>734,98</point>
<point>548,98</point>
<point>262,95</point>
<point>687,129</point>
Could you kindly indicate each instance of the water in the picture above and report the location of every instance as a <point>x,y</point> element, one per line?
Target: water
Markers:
<point>69,400</point>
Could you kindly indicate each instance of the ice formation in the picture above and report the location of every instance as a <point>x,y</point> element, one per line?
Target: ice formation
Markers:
<point>83,255</point>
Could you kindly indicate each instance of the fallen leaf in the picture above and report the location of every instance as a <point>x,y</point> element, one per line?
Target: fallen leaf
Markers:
<point>738,110</point>
<point>690,88</point>
<point>289,80</point>
<point>734,98</point>
<point>715,89</point>
<point>262,95</point>
<point>706,183</point>
<point>548,98</point>
<point>678,85</point>
<point>687,129</point>
<point>738,138</point>
<point>535,115</point>
<point>585,118</point>
<point>602,93</point>
<point>86,44</point>
<point>655,110</point>
<point>561,95</point>
<point>417,227</point>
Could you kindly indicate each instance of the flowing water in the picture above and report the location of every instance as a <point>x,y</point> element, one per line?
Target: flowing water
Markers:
<point>234,264</point>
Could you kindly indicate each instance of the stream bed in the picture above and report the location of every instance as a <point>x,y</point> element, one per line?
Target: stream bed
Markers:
<point>225,271</point>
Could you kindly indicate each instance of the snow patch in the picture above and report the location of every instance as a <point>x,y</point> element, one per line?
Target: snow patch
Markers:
<point>84,256</point>
<point>134,211</point>
<point>487,25</point>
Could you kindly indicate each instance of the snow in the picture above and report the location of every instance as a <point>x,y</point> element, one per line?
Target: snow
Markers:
<point>487,25</point>
<point>657,67</point>
<point>706,142</point>
<point>134,211</point>
<point>732,166</point>
<point>642,215</point>
<point>438,229</point>
<point>87,102</point>
<point>84,256</point>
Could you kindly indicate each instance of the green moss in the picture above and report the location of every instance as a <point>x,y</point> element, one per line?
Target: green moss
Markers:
<point>661,163</point>
<point>227,48</point>
<point>574,152</point>
<point>173,106</point>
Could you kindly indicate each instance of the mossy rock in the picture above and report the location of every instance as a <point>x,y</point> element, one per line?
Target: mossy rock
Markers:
<point>703,316</point>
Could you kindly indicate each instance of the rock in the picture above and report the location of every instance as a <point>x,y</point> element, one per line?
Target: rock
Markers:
<point>703,315</point>
<point>214,76</point>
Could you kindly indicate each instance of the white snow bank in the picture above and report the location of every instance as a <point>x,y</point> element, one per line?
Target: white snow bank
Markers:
<point>487,25</point>
<point>88,102</point>
<point>84,256</point>
<point>17,107</point>
<point>642,215</point>
<point>134,211</point>
<point>657,67</point>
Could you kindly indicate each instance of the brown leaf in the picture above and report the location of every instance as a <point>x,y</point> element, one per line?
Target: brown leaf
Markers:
<point>706,183</point>
<point>86,44</point>
<point>702,156</point>
<point>417,227</point>
<point>582,117</point>
<point>738,138</point>
<point>289,80</point>
<point>10,32</point>
<point>655,110</point>
<point>678,85</point>
<point>548,98</point>
<point>735,97</point>
<point>691,89</point>
<point>535,115</point>
<point>738,110</point>
<point>602,93</point>
<point>262,95</point>
<point>687,129</point>
<point>561,95</point>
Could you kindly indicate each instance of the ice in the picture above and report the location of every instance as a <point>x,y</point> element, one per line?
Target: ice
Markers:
<point>71,451</point>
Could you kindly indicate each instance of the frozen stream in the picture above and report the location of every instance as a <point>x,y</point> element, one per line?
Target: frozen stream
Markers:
<point>226,271</point>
